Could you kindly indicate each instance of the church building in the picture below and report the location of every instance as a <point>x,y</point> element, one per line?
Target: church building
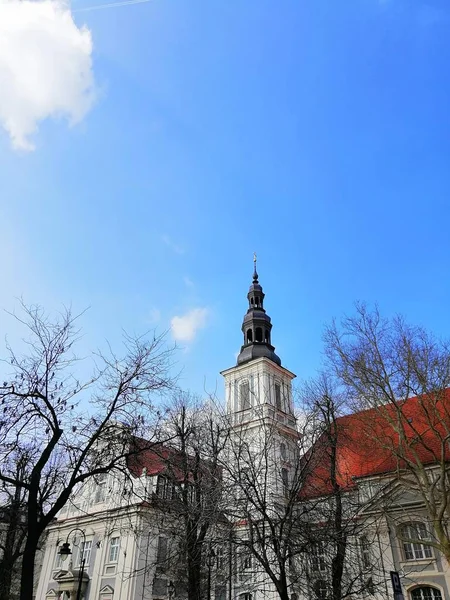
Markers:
<point>118,545</point>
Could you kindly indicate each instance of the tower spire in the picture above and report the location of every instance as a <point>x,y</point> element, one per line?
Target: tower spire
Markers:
<point>255,274</point>
<point>256,326</point>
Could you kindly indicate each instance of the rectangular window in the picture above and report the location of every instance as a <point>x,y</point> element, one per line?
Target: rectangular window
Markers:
<point>219,557</point>
<point>415,550</point>
<point>161,554</point>
<point>114,545</point>
<point>246,560</point>
<point>365,552</point>
<point>285,479</point>
<point>100,493</point>
<point>317,557</point>
<point>244,391</point>
<point>278,397</point>
<point>58,559</point>
<point>85,552</point>
<point>165,488</point>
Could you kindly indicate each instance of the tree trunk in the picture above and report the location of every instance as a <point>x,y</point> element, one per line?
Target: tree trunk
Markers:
<point>11,549</point>
<point>28,558</point>
<point>6,577</point>
<point>282,590</point>
<point>194,579</point>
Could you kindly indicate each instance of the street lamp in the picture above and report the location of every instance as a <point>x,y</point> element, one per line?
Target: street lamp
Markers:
<point>65,551</point>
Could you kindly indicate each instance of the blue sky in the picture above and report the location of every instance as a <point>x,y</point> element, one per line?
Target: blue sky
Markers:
<point>315,133</point>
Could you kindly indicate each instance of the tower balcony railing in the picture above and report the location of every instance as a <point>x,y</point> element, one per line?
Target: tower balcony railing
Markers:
<point>262,413</point>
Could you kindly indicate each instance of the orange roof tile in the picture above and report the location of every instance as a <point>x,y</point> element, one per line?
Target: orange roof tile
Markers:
<point>377,441</point>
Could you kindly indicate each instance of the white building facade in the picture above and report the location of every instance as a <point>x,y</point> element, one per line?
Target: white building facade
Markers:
<point>124,542</point>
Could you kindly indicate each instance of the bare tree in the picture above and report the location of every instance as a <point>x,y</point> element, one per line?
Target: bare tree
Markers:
<point>65,431</point>
<point>339,554</point>
<point>263,488</point>
<point>188,493</point>
<point>402,374</point>
<point>13,527</point>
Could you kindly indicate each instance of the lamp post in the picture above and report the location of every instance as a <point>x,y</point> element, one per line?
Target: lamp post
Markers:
<point>65,551</point>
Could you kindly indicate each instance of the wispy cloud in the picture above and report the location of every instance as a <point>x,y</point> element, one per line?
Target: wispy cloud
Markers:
<point>45,67</point>
<point>153,317</point>
<point>110,5</point>
<point>172,245</point>
<point>188,282</point>
<point>185,327</point>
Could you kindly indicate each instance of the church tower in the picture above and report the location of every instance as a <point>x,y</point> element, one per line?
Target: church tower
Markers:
<point>258,392</point>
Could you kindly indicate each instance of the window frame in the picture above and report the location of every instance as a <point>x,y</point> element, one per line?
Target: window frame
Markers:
<point>162,551</point>
<point>100,490</point>
<point>116,548</point>
<point>278,396</point>
<point>413,551</point>
<point>317,558</point>
<point>244,399</point>
<point>436,593</point>
<point>84,552</point>
<point>365,554</point>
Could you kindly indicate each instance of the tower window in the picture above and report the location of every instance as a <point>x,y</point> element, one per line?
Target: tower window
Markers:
<point>244,393</point>
<point>283,451</point>
<point>258,334</point>
<point>285,478</point>
<point>249,336</point>
<point>278,396</point>
<point>267,337</point>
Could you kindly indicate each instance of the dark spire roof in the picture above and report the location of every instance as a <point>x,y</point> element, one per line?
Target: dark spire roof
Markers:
<point>256,326</point>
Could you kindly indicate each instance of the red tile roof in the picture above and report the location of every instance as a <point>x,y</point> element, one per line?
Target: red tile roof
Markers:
<point>158,459</point>
<point>154,458</point>
<point>377,441</point>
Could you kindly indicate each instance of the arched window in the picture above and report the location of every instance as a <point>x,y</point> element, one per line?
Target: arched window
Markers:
<point>249,336</point>
<point>414,537</point>
<point>426,593</point>
<point>283,451</point>
<point>258,334</point>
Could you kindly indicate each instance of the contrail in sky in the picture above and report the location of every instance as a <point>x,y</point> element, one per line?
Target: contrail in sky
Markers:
<point>109,5</point>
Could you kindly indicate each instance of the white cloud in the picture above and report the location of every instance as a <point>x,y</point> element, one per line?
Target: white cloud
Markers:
<point>185,328</point>
<point>188,282</point>
<point>172,245</point>
<point>45,67</point>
